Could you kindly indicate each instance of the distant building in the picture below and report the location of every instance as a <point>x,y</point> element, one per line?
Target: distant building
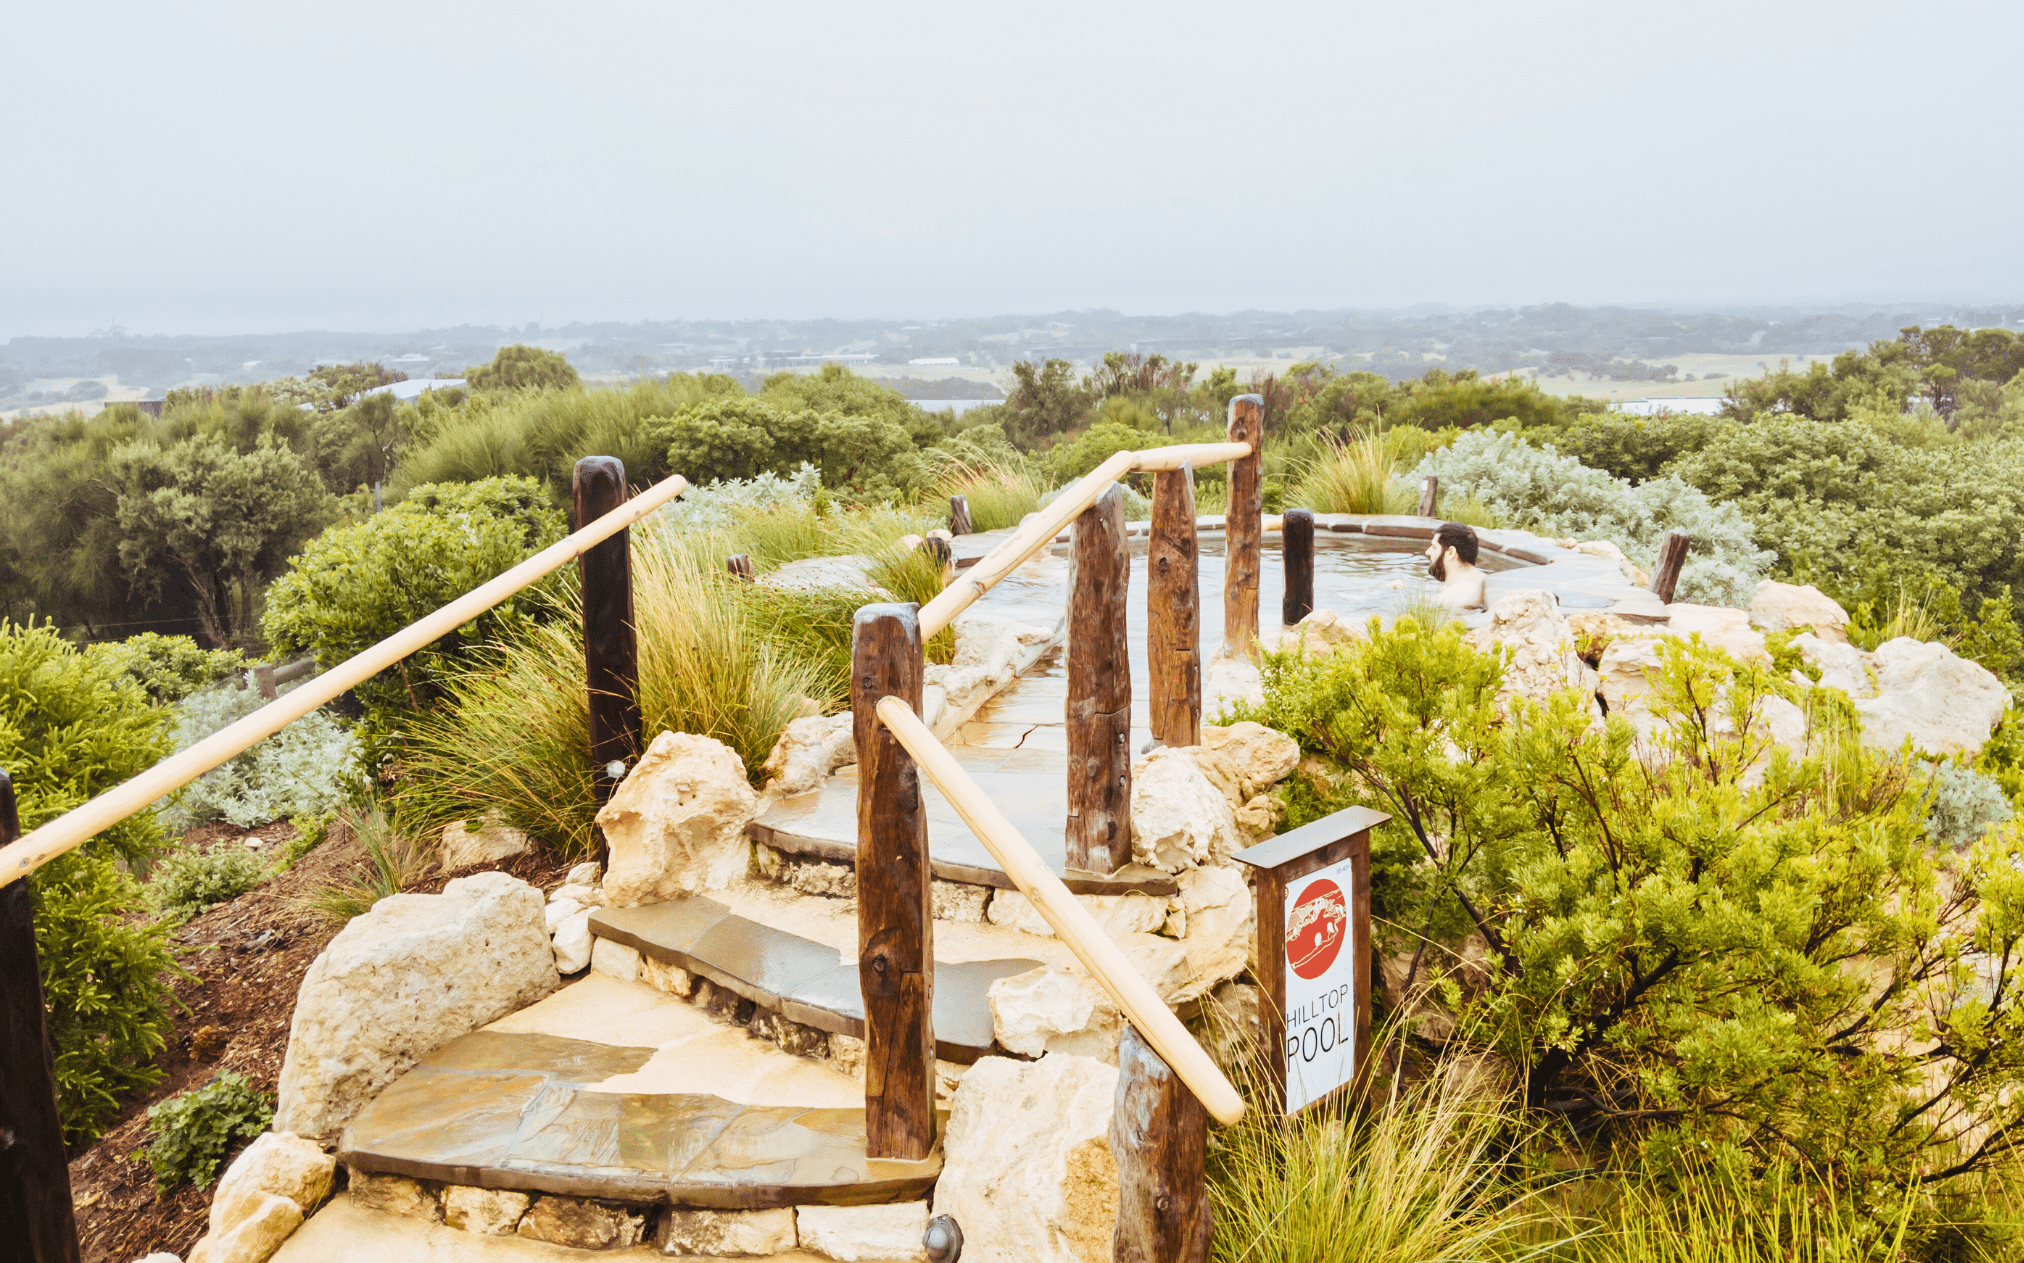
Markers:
<point>937,361</point>
<point>1697,405</point>
<point>409,391</point>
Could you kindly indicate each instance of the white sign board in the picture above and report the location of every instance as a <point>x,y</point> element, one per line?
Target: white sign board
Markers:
<point>1321,957</point>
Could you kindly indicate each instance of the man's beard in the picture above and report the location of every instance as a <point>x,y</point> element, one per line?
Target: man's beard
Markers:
<point>1438,568</point>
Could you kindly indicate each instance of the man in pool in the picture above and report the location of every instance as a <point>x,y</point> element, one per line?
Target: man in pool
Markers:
<point>1451,560</point>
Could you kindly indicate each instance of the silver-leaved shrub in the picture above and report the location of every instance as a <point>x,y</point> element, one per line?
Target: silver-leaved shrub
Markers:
<point>303,770</point>
<point>1544,491</point>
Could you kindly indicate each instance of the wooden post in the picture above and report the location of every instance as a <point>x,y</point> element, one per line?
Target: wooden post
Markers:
<point>1099,689</point>
<point>35,1209</point>
<point>1672,555</point>
<point>263,677</point>
<point>740,564</point>
<point>1314,966</point>
<point>610,656</point>
<point>1296,542</point>
<point>1173,612</point>
<point>1242,529</point>
<point>959,516</point>
<point>938,545</point>
<point>1430,488</point>
<point>1159,1134</point>
<point>895,927</point>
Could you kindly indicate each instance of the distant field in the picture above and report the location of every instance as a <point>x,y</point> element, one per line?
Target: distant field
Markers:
<point>58,385</point>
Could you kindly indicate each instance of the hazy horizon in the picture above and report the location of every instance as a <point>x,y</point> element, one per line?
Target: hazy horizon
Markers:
<point>230,169</point>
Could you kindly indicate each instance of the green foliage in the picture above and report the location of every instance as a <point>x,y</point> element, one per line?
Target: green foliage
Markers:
<point>1354,476</point>
<point>1557,495</point>
<point>1322,398</point>
<point>1933,366</point>
<point>522,367</point>
<point>1096,445</point>
<point>191,880</point>
<point>218,520</point>
<point>169,668</point>
<point>999,491</point>
<point>194,1130</point>
<point>1635,449</point>
<point>355,585</point>
<point>330,387</point>
<point>1045,401</point>
<point>393,860</point>
<point>1670,919</point>
<point>307,768</point>
<point>1964,806</point>
<point>866,454</point>
<point>310,832</point>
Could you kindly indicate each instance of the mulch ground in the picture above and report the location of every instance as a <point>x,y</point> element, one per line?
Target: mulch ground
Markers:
<point>248,956</point>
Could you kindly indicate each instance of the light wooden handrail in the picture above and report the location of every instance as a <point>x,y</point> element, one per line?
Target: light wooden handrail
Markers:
<point>1040,529</point>
<point>1071,922</point>
<point>77,825</point>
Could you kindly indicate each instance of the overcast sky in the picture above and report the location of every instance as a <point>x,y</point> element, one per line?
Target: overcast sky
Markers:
<point>211,167</point>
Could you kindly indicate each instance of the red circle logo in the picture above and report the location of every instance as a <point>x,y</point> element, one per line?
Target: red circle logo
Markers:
<point>1315,928</point>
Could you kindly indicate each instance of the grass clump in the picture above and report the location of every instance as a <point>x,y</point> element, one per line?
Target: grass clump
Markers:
<point>1000,492</point>
<point>393,861</point>
<point>194,1130</point>
<point>191,880</point>
<point>1353,476</point>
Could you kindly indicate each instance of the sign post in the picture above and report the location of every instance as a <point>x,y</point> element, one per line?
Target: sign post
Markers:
<point>1314,955</point>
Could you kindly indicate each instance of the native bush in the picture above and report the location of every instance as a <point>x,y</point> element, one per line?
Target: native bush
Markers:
<point>169,668</point>
<point>719,505</point>
<point>1635,449</point>
<point>306,769</point>
<point>1673,924</point>
<point>1538,488</point>
<point>865,455</point>
<point>191,880</point>
<point>1964,805</point>
<point>355,585</point>
<point>194,1130</point>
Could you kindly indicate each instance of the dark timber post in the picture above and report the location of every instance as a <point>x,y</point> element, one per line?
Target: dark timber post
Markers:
<point>1241,530</point>
<point>959,516</point>
<point>1296,541</point>
<point>1430,489</point>
<point>35,1209</point>
<point>1159,1134</point>
<point>1099,689</point>
<point>740,564</point>
<point>895,927</point>
<point>1173,612</point>
<point>1672,555</point>
<point>610,655</point>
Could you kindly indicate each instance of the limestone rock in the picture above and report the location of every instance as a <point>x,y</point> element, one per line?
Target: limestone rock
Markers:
<point>585,874</point>
<point>1945,704</point>
<point>1787,607</point>
<point>1726,629</point>
<point>1321,632</point>
<point>1115,914</point>
<point>725,1233</point>
<point>1544,657</point>
<point>851,1234</point>
<point>490,1212</point>
<point>849,571</point>
<point>572,942</point>
<point>257,1232</point>
<point>956,901</point>
<point>661,976</point>
<point>807,752</point>
<point>582,1224</point>
<point>1227,680</point>
<point>558,911</point>
<point>159,1256</point>
<point>1259,819</point>
<point>1219,914</point>
<point>1259,756</point>
<point>582,894</point>
<point>1178,818</point>
<point>1027,1169</point>
<point>847,1051</point>
<point>991,651</point>
<point>275,1163</point>
<point>396,1195</point>
<point>1053,1009</point>
<point>676,824</point>
<point>490,842</point>
<point>400,982</point>
<point>1842,666</point>
<point>615,960</point>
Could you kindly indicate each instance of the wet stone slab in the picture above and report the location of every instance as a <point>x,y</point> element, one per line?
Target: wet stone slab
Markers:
<point>805,981</point>
<point>512,1111</point>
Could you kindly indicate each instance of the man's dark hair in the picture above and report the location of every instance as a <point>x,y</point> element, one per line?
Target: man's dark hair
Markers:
<point>1459,537</point>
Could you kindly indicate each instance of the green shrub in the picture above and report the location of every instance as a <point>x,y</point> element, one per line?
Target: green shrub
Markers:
<point>867,456</point>
<point>1635,449</point>
<point>309,834</point>
<point>310,766</point>
<point>169,668</point>
<point>190,880</point>
<point>1671,921</point>
<point>393,860</point>
<point>355,585</point>
<point>1557,495</point>
<point>194,1130</point>
<point>1354,476</point>
<point>523,367</point>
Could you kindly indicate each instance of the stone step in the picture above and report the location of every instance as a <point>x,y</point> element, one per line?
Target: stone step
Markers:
<point>612,1091</point>
<point>805,980</point>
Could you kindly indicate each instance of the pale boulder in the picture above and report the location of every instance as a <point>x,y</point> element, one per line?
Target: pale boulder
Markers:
<point>615,960</point>
<point>1113,914</point>
<point>1321,632</point>
<point>584,874</point>
<point>676,824</point>
<point>1258,756</point>
<point>1726,629</point>
<point>400,982</point>
<point>1227,680</point>
<point>395,1195</point>
<point>857,1234</point>
<point>807,752</point>
<point>558,911</point>
<point>582,1224</point>
<point>263,1222</point>
<point>1054,1009</point>
<point>1793,607</point>
<point>1943,703</point>
<point>1219,916</point>
<point>489,1212</point>
<point>725,1233</point>
<point>991,652</point>
<point>1178,818</point>
<point>1842,666</point>
<point>1027,1168</point>
<point>463,846</point>
<point>245,1223</point>
<point>811,574</point>
<point>572,942</point>
<point>1544,660</point>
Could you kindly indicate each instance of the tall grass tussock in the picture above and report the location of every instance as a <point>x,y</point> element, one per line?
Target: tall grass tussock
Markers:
<point>1353,476</point>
